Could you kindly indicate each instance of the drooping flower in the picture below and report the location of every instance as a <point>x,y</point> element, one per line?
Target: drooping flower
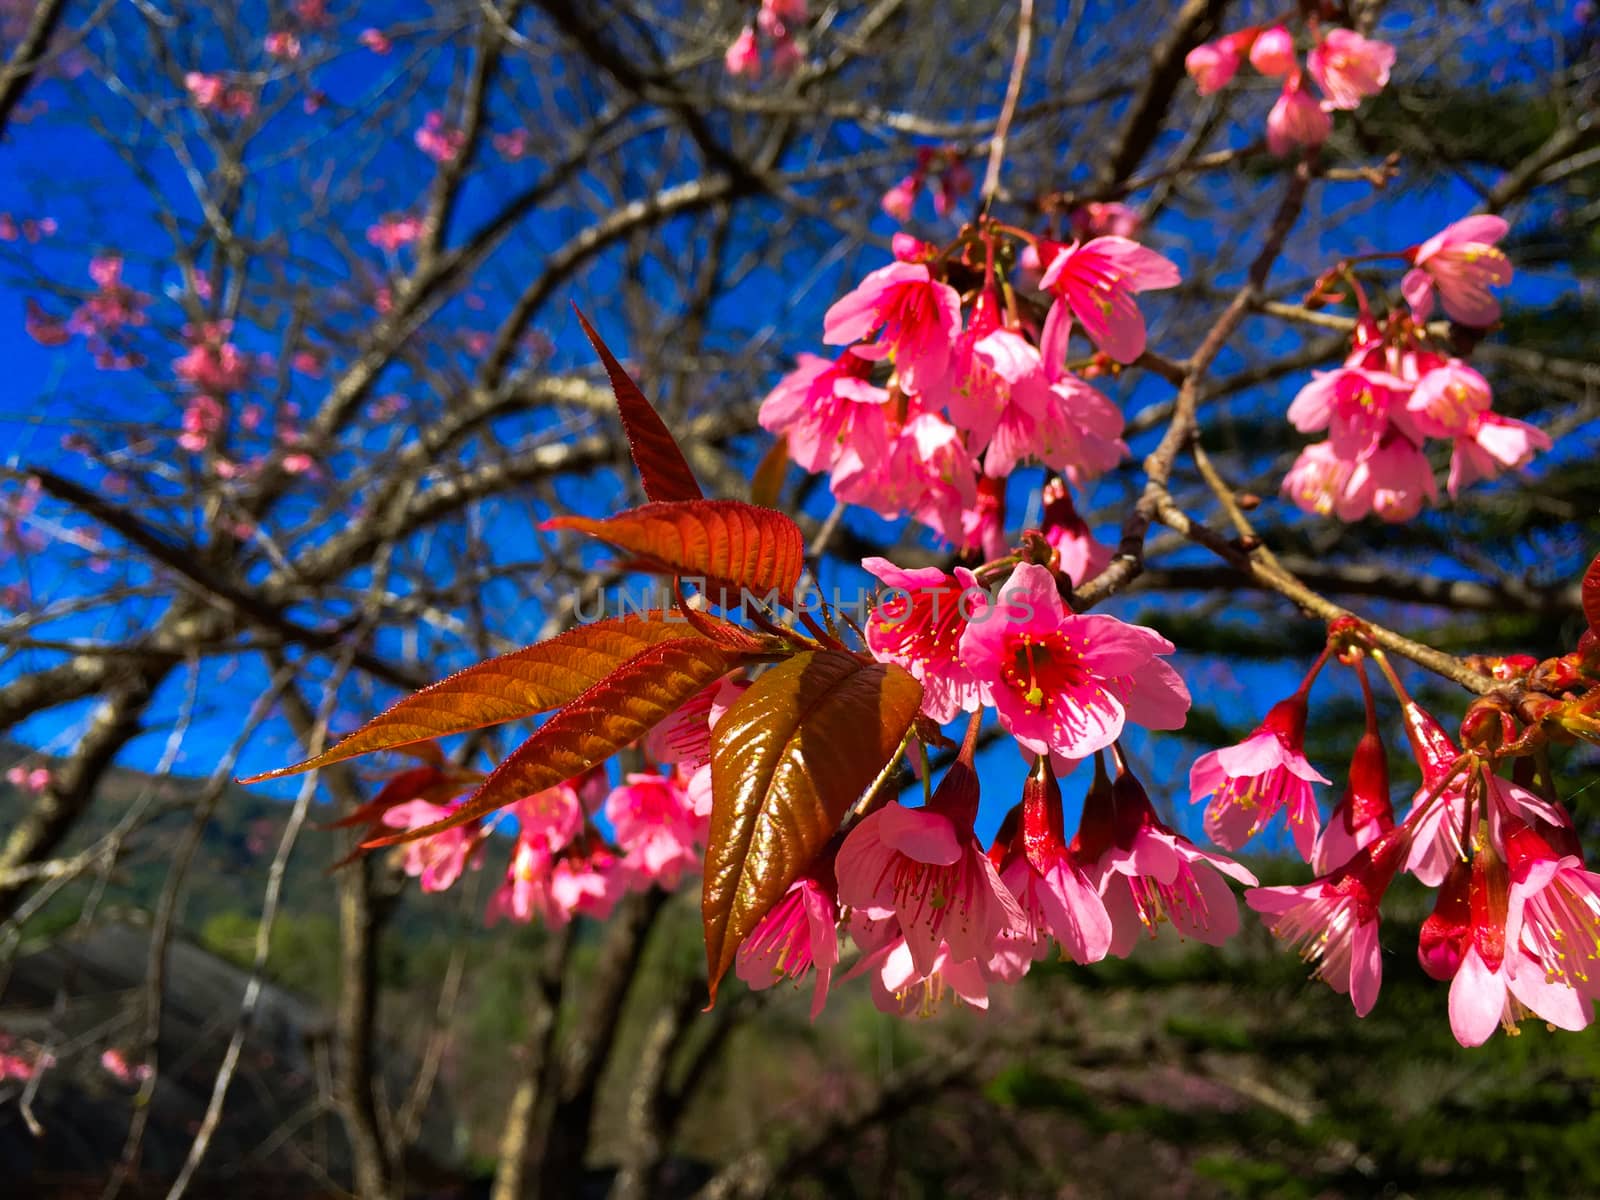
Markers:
<point>925,866</point>
<point>918,315</point>
<point>798,934</point>
<point>1390,481</point>
<point>825,407</point>
<point>1461,261</point>
<point>1492,444</point>
<point>1064,683</point>
<point>1334,920</point>
<point>1317,479</point>
<point>1212,65</point>
<point>918,625</point>
<point>1363,814</point>
<point>1554,908</point>
<point>1349,68</point>
<point>1498,981</point>
<point>1297,119</point>
<point>1051,886</point>
<point>1272,52</point>
<point>1146,873</point>
<point>900,988</point>
<point>1081,557</point>
<point>1265,774</point>
<point>1447,400</point>
<point>1098,280</point>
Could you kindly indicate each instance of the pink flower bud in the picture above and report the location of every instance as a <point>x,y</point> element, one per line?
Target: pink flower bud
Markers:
<point>1272,53</point>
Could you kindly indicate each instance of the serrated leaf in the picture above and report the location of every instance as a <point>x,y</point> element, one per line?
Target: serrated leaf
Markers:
<point>788,760</point>
<point>512,686</point>
<point>729,544</point>
<point>662,468</point>
<point>615,712</point>
<point>1591,594</point>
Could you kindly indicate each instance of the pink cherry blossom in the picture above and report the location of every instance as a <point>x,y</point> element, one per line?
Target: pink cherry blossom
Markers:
<point>742,59</point>
<point>1493,444</point>
<point>927,472</point>
<point>1265,774</point>
<point>1353,404</point>
<point>1334,920</point>
<point>799,933</point>
<point>1554,909</point>
<point>1499,981</point>
<point>547,823</point>
<point>438,141</point>
<point>1364,813</point>
<point>1080,556</point>
<point>114,1062</point>
<point>919,318</point>
<point>1064,683</point>
<point>823,407</point>
<point>1447,400</point>
<point>393,232</point>
<point>1050,884</point>
<point>1272,52</point>
<point>918,625</point>
<point>1097,219</point>
<point>1349,68</point>
<point>1147,874</point>
<point>1213,64</point>
<point>1297,119</point>
<point>901,989</point>
<point>1098,280</point>
<point>1317,479</point>
<point>898,201</point>
<point>282,44</point>
<point>376,41</point>
<point>1390,481</point>
<point>1461,262</point>
<point>1439,809</point>
<point>925,867</point>
<point>438,859</point>
<point>656,825</point>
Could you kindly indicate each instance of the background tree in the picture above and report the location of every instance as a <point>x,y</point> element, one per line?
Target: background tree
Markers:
<point>294,384</point>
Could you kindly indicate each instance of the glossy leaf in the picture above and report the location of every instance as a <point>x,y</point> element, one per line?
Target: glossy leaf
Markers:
<point>1591,594</point>
<point>662,468</point>
<point>615,712</point>
<point>788,760</point>
<point>512,686</point>
<point>729,544</point>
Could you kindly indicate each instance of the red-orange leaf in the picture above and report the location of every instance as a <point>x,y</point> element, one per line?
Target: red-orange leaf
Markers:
<point>662,468</point>
<point>788,761</point>
<point>513,686</point>
<point>728,544</point>
<point>616,711</point>
<point>1591,594</point>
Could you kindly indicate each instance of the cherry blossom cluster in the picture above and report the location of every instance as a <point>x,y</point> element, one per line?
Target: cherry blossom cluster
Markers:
<point>101,319</point>
<point>1515,928</point>
<point>776,24</point>
<point>1346,67</point>
<point>951,176</point>
<point>1400,386</point>
<point>216,94</point>
<point>949,380</point>
<point>28,229</point>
